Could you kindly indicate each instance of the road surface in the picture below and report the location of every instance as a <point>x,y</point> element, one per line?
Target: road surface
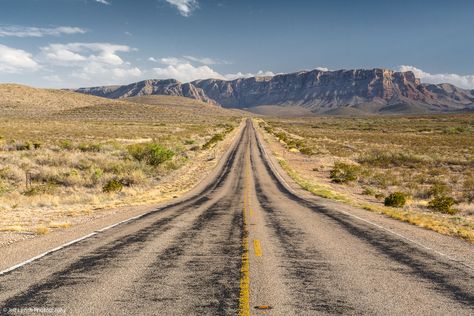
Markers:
<point>244,243</point>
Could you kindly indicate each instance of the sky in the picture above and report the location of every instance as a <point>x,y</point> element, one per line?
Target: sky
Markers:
<point>80,43</point>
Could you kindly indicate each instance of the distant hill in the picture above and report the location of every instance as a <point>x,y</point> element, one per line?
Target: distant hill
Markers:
<point>18,101</point>
<point>342,92</point>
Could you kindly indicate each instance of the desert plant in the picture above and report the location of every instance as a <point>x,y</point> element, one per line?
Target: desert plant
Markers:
<point>214,139</point>
<point>91,147</point>
<point>66,144</point>
<point>468,187</point>
<point>46,188</point>
<point>396,199</point>
<point>343,172</point>
<point>439,189</point>
<point>152,154</point>
<point>306,151</point>
<point>443,204</point>
<point>112,185</point>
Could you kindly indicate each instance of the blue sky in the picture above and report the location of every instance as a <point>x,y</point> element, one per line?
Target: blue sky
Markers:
<point>72,43</point>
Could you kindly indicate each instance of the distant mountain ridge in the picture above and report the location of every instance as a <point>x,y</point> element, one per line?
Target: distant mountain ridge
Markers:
<point>358,91</point>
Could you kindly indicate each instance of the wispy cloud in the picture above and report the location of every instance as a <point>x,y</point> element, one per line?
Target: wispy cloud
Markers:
<point>99,62</point>
<point>103,1</point>
<point>14,60</point>
<point>185,7</point>
<point>462,81</point>
<point>260,73</point>
<point>206,60</point>
<point>189,68</point>
<point>29,31</point>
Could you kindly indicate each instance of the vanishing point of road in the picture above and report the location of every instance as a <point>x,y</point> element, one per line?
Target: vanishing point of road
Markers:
<point>243,242</point>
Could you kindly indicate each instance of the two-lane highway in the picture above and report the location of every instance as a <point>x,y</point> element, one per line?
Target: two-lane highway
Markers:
<point>244,243</point>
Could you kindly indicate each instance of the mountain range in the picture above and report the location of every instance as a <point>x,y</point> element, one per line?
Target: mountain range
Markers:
<point>350,92</point>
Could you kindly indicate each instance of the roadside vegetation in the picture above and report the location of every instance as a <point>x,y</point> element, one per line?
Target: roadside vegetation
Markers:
<point>418,169</point>
<point>56,170</point>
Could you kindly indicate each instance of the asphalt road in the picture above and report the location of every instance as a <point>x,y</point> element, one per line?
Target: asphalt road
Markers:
<point>243,243</point>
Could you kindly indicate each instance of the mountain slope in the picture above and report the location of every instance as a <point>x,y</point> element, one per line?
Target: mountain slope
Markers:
<point>149,87</point>
<point>23,100</point>
<point>18,101</point>
<point>322,92</point>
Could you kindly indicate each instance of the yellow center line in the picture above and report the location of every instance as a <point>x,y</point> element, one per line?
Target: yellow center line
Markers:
<point>257,248</point>
<point>244,300</point>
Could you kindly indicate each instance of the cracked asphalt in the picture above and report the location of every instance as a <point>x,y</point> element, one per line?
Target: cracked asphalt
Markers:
<point>305,257</point>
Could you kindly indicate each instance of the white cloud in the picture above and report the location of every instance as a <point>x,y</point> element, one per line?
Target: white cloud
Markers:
<point>126,73</point>
<point>185,7</point>
<point>205,60</point>
<point>99,63</point>
<point>260,73</point>
<point>53,78</point>
<point>462,81</point>
<point>322,68</point>
<point>172,61</point>
<point>27,31</point>
<point>182,69</point>
<point>64,54</point>
<point>103,1</point>
<point>186,72</point>
<point>14,60</point>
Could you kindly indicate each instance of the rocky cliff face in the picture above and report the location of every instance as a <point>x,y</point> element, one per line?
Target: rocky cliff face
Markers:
<point>368,91</point>
<point>149,87</point>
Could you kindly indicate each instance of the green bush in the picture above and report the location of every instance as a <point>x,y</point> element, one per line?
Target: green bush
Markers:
<point>46,188</point>
<point>396,199</point>
<point>468,187</point>
<point>443,204</point>
<point>214,139</point>
<point>343,172</point>
<point>152,154</point>
<point>92,147</point>
<point>112,186</point>
<point>66,144</point>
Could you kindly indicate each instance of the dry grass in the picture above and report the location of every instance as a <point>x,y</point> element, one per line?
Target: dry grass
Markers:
<point>423,157</point>
<point>54,164</point>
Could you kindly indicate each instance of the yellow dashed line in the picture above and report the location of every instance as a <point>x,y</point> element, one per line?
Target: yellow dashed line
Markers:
<point>257,248</point>
<point>244,301</point>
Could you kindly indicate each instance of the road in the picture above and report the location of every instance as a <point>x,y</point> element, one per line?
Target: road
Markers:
<point>243,243</point>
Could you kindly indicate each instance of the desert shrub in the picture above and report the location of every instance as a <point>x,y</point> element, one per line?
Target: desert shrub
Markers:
<point>112,185</point>
<point>343,172</point>
<point>152,154</point>
<point>214,139</point>
<point>23,146</point>
<point>439,189</point>
<point>443,204</point>
<point>306,151</point>
<point>392,159</point>
<point>396,199</point>
<point>135,177</point>
<point>46,188</point>
<point>368,191</point>
<point>97,174</point>
<point>92,147</point>
<point>189,141</point>
<point>66,144</point>
<point>468,188</point>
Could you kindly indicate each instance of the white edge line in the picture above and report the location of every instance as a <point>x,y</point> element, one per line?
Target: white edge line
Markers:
<point>19,265</point>
<point>289,188</point>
